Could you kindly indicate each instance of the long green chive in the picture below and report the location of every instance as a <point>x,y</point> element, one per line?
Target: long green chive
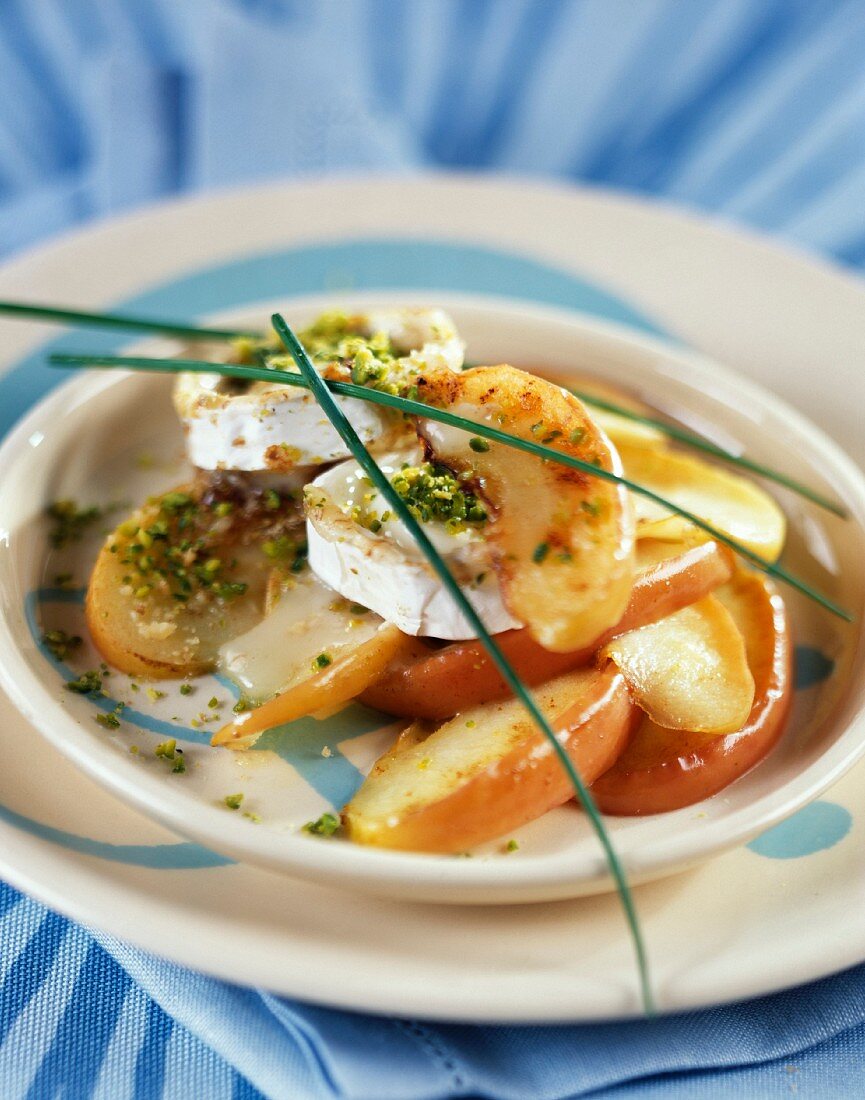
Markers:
<point>34,311</point>
<point>682,435</point>
<point>362,456</point>
<point>473,427</point>
<point>169,328</point>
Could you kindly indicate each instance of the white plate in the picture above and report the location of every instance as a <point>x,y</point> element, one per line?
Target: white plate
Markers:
<point>422,976</point>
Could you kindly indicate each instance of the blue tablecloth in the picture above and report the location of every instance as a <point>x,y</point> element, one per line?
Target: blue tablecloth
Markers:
<point>751,108</point>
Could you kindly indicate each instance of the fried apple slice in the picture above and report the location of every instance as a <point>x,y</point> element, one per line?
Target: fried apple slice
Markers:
<point>180,576</point>
<point>689,670</point>
<point>561,540</point>
<point>331,686</point>
<point>436,683</point>
<point>313,650</point>
<point>734,505</point>
<point>662,769</point>
<point>490,770</point>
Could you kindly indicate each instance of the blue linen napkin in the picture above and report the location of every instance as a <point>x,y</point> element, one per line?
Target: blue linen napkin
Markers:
<point>84,1017</point>
<point>750,108</point>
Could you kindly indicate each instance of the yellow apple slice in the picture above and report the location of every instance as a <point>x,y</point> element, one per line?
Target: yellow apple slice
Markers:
<point>490,770</point>
<point>313,650</point>
<point>180,576</point>
<point>688,671</point>
<point>732,504</point>
<point>330,686</point>
<point>561,541</point>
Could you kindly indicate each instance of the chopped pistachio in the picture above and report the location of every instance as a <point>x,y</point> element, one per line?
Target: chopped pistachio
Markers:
<point>59,643</point>
<point>326,825</point>
<point>88,683</point>
<point>70,521</point>
<point>233,801</point>
<point>186,689</point>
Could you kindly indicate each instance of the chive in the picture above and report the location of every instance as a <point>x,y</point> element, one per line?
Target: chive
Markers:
<point>381,482</point>
<point>117,320</point>
<point>428,412</point>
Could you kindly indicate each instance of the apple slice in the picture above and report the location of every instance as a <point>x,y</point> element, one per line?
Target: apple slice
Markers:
<point>490,770</point>
<point>731,503</point>
<point>664,769</point>
<point>561,541</point>
<point>330,686</point>
<point>183,574</point>
<point>313,650</point>
<point>688,671</point>
<point>436,683</point>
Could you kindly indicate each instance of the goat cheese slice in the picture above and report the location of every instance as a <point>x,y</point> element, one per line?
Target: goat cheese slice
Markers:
<point>384,569</point>
<point>268,426</point>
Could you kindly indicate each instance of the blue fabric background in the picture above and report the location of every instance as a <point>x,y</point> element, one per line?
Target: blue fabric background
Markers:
<point>754,109</point>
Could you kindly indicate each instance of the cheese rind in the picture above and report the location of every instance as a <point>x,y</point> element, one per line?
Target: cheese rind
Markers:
<point>277,428</point>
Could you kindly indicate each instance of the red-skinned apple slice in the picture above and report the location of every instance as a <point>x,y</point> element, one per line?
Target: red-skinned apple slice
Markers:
<point>490,770</point>
<point>664,769</point>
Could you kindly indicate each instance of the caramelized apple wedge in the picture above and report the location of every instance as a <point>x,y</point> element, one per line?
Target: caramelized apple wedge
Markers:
<point>689,670</point>
<point>490,770</point>
<point>182,575</point>
<point>734,505</point>
<point>314,650</point>
<point>330,686</point>
<point>664,769</point>
<point>562,541</point>
<point>436,683</point>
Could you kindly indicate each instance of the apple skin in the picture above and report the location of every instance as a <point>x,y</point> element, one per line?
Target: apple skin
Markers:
<point>663,769</point>
<point>438,683</point>
<point>518,786</point>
